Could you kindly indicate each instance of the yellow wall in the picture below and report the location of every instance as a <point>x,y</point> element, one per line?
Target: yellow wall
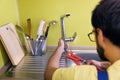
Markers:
<point>48,10</point>
<point>8,13</point>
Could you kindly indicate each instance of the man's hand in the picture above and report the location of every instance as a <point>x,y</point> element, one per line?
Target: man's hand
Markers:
<point>61,44</point>
<point>103,64</point>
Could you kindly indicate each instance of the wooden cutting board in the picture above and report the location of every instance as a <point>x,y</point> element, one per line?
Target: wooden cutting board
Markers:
<point>11,43</point>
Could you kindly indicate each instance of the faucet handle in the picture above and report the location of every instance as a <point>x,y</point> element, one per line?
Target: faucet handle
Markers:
<point>74,35</point>
<point>71,38</point>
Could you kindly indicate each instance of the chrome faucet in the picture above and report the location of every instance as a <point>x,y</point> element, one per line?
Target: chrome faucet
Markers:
<point>65,39</point>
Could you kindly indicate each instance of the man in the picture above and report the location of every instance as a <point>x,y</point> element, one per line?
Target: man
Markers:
<point>106,27</point>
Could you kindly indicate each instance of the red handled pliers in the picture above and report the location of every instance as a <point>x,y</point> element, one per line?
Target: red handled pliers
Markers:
<point>78,60</point>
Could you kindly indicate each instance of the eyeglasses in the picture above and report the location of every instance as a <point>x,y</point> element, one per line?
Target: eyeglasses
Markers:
<point>92,36</point>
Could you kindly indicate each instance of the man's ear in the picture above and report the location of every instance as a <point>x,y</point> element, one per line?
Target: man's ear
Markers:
<point>101,38</point>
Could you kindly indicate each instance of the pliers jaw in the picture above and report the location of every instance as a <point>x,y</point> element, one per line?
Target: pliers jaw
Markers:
<point>76,59</point>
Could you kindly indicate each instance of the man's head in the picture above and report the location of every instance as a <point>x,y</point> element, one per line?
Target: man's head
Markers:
<point>106,17</point>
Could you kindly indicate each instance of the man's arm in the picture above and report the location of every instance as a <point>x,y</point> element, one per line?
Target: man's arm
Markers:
<point>53,62</point>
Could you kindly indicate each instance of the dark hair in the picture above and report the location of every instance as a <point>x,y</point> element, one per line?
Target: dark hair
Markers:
<point>106,16</point>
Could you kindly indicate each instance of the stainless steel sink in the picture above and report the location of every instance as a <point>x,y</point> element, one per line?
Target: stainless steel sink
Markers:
<point>33,67</point>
